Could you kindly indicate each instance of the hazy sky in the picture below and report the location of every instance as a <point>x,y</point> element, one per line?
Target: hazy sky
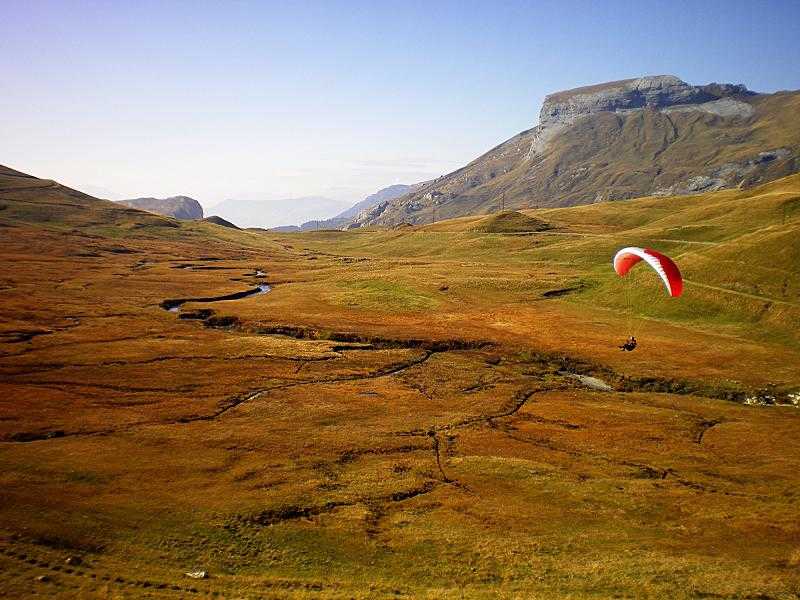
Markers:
<point>259,100</point>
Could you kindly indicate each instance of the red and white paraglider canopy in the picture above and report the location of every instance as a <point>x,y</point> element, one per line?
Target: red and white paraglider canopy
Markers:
<point>626,258</point>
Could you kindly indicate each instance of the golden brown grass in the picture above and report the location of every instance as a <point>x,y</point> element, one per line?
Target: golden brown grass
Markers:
<point>397,418</point>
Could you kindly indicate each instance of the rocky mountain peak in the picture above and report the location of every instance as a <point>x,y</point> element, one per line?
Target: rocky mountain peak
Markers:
<point>179,207</point>
<point>656,91</point>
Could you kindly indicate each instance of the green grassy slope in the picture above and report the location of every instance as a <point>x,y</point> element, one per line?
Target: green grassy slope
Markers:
<point>737,249</point>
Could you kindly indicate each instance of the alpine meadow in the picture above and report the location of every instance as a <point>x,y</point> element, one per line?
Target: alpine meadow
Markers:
<point>567,366</point>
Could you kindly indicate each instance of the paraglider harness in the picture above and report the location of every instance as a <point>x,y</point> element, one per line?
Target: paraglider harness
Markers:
<point>629,345</point>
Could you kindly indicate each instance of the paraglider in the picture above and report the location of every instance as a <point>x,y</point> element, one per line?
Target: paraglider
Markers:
<point>667,270</point>
<point>626,258</point>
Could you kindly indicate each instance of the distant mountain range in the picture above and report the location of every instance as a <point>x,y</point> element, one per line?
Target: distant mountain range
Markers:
<point>270,213</point>
<point>649,136</point>
<point>623,139</point>
<point>180,207</point>
<point>263,213</point>
<point>347,217</point>
<point>387,193</point>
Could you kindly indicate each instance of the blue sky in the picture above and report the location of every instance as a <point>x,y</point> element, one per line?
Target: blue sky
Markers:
<point>260,100</point>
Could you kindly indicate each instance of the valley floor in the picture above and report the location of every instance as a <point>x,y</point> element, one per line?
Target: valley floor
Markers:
<point>404,414</point>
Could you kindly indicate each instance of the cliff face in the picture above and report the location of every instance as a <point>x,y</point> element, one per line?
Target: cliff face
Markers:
<point>658,91</point>
<point>655,135</point>
<point>179,207</point>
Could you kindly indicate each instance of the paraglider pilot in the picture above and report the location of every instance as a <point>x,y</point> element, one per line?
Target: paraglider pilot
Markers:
<point>629,345</point>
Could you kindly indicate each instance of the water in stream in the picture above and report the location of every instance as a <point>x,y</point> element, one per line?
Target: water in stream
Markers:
<point>175,304</point>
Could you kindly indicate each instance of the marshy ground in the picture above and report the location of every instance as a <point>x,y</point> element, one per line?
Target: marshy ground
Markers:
<point>405,414</point>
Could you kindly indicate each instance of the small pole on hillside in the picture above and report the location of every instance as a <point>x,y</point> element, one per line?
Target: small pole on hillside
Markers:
<point>503,202</point>
<point>434,214</point>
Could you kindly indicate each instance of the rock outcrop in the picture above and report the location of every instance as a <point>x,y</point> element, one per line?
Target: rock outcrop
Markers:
<point>658,91</point>
<point>179,207</point>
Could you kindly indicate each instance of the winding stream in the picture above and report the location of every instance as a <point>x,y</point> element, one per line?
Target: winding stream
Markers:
<point>174,305</point>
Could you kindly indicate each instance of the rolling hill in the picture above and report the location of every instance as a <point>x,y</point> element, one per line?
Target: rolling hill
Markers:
<point>618,140</point>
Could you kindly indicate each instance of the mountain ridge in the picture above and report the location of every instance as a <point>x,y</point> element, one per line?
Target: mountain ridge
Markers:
<point>655,135</point>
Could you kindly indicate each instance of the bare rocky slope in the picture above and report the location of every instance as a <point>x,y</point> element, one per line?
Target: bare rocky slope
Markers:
<point>653,135</point>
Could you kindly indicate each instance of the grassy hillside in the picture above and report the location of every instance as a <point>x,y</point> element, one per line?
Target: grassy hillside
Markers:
<point>741,241</point>
<point>405,413</point>
<point>510,222</point>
